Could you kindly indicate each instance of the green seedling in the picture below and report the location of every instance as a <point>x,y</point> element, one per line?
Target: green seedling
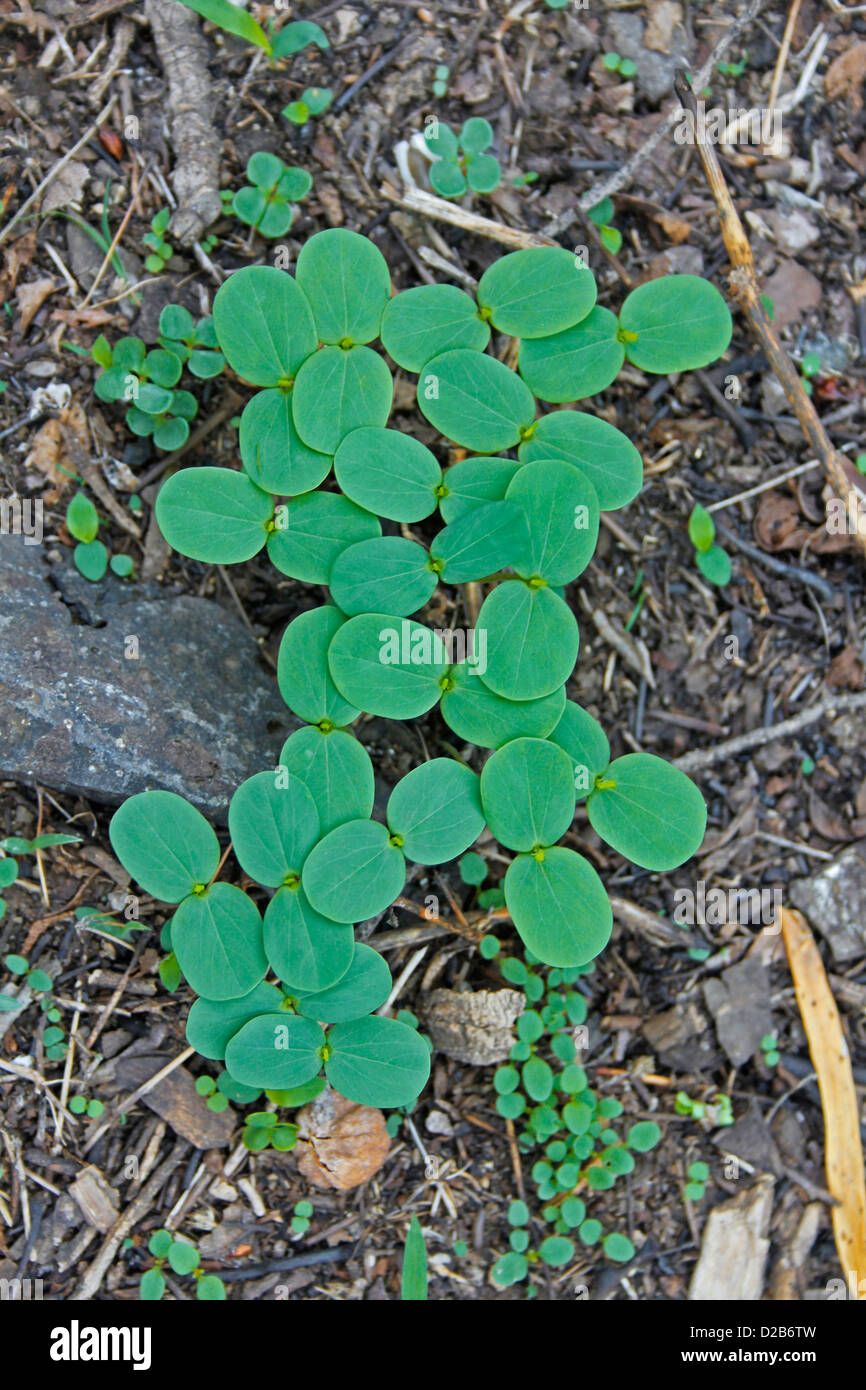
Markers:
<point>860,463</point>
<point>734,69</point>
<point>523,180</point>
<point>810,366</point>
<point>292,38</point>
<point>413,1284</point>
<point>154,240</point>
<point>183,1260</point>
<point>770,1049</point>
<point>718,1112</point>
<point>713,562</point>
<point>473,869</point>
<point>545,1090</point>
<point>191,342</point>
<point>41,985</point>
<point>17,845</point>
<point>268,201</point>
<point>286,995</point>
<point>314,101</point>
<point>612,62</point>
<point>90,555</point>
<point>696,1186</point>
<point>303,1211</point>
<point>146,381</point>
<point>80,1105</point>
<point>441,77</point>
<point>601,216</point>
<point>462,161</point>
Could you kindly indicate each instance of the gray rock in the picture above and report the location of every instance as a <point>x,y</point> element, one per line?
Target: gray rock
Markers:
<point>739,1003</point>
<point>193,712</point>
<point>655,71</point>
<point>834,900</point>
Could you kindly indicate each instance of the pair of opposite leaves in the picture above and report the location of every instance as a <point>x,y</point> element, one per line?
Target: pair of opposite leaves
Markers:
<point>224,949</point>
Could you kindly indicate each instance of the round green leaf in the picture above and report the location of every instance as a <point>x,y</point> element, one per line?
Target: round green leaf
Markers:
<point>681,322</point>
<point>475,136</point>
<point>537,1079</point>
<point>210,1289</point>
<point>274,824</point>
<point>182,1257</point>
<point>365,985</point>
<point>585,742</point>
<point>211,1025</point>
<point>82,518</point>
<point>217,938</point>
<point>422,323</point>
<point>643,1136</point>
<point>91,560</point>
<point>618,1247</point>
<point>311,532</point>
<point>389,473</point>
<point>176,322</point>
<point>475,400</point>
<point>165,844</point>
<point>337,770</point>
<point>249,205</point>
<point>576,363</point>
<point>602,453</point>
<point>654,815</point>
<point>387,665</point>
<point>264,325</point>
<point>151,1286</point>
<point>354,872</point>
<point>556,1250</point>
<point>532,641</point>
<point>339,390</point>
<point>377,1061</point>
<point>306,951</point>
<point>473,481</point>
<point>277,220</point>
<point>715,565</point>
<point>347,282</point>
<point>277,1050</point>
<point>527,791</point>
<point>387,572</point>
<point>483,173</point>
<point>214,514</point>
<point>478,716</point>
<point>436,811</point>
<point>295,183</point>
<point>264,169</point>
<point>272,451</point>
<point>8,872</point>
<point>510,1269</point>
<point>447,178</point>
<point>559,906</point>
<point>483,540</point>
<point>171,434</point>
<point>162,368</point>
<point>303,674</point>
<point>536,292</point>
<point>561,508</point>
<point>702,530</point>
<point>440,139</point>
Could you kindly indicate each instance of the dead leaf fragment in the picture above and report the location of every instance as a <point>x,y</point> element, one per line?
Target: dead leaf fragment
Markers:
<point>843,1147</point>
<point>30,298</point>
<point>340,1144</point>
<point>845,75</point>
<point>66,188</point>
